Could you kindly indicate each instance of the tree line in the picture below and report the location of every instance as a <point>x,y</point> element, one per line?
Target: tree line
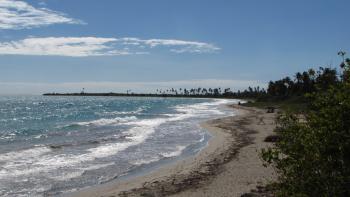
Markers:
<point>194,91</point>
<point>301,83</point>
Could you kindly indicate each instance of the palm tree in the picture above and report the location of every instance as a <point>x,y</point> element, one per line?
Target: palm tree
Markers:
<point>185,91</point>
<point>216,91</point>
<point>311,73</point>
<point>342,54</point>
<point>192,91</point>
<point>204,91</point>
<point>298,77</point>
<point>198,90</point>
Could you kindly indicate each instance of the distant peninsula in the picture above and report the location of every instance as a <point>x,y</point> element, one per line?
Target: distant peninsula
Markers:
<point>141,95</point>
<point>181,92</point>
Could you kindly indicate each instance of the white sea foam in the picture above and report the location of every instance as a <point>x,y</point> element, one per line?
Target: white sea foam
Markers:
<point>203,109</point>
<point>139,162</point>
<point>105,121</point>
<point>24,154</point>
<point>202,139</point>
<point>19,163</point>
<point>136,135</point>
<point>45,163</point>
<point>178,151</point>
<point>65,175</point>
<point>138,111</point>
<point>40,136</point>
<point>34,160</point>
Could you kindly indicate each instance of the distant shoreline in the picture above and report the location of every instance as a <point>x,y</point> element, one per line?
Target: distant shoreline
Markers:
<point>139,95</point>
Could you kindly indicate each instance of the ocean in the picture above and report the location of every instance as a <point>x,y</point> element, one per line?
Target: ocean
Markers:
<point>54,145</point>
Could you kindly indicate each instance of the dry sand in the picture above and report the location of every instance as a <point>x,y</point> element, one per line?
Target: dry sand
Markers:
<point>228,166</point>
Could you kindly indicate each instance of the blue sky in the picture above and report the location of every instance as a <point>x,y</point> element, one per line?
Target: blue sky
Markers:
<point>64,45</point>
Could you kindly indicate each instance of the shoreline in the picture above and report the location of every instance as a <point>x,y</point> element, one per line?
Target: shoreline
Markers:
<point>190,176</point>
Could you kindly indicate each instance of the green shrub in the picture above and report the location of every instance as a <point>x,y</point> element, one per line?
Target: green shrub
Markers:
<point>312,157</point>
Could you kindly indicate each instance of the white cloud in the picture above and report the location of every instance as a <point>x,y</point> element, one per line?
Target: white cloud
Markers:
<point>177,46</point>
<point>96,46</point>
<point>20,15</point>
<point>145,87</point>
<point>62,46</point>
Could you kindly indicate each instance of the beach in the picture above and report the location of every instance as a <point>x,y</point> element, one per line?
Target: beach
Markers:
<point>228,166</point>
<point>90,141</point>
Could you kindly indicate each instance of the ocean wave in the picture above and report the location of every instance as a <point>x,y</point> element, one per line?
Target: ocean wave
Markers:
<point>40,136</point>
<point>4,120</point>
<point>62,176</point>
<point>174,153</point>
<point>8,136</point>
<point>89,142</point>
<point>140,162</point>
<point>204,108</point>
<point>69,104</point>
<point>138,111</point>
<point>185,111</point>
<point>35,160</point>
<point>24,154</point>
<point>106,121</point>
<point>134,136</point>
<point>143,128</point>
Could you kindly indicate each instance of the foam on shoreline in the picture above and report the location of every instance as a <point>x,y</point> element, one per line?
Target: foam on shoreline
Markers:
<point>199,175</point>
<point>218,140</point>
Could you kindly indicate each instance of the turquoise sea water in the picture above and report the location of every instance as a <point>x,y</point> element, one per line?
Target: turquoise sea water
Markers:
<point>52,145</point>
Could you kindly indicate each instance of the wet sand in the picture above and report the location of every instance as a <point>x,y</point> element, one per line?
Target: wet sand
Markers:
<point>228,166</point>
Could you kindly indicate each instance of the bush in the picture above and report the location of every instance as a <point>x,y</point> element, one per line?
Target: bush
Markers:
<point>312,156</point>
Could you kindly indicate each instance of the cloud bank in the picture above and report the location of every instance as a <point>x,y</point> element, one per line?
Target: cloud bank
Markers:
<point>20,15</point>
<point>97,46</point>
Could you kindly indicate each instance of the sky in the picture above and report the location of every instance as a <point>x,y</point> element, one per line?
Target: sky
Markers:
<point>114,46</point>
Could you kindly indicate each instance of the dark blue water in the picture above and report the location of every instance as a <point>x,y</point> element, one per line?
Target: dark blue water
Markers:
<point>50,145</point>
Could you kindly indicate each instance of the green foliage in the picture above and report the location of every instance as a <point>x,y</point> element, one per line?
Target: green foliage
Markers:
<point>292,88</point>
<point>303,83</point>
<point>312,157</point>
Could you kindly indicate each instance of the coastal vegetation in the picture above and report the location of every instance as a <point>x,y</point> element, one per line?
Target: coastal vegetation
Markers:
<point>312,153</point>
<point>289,93</point>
